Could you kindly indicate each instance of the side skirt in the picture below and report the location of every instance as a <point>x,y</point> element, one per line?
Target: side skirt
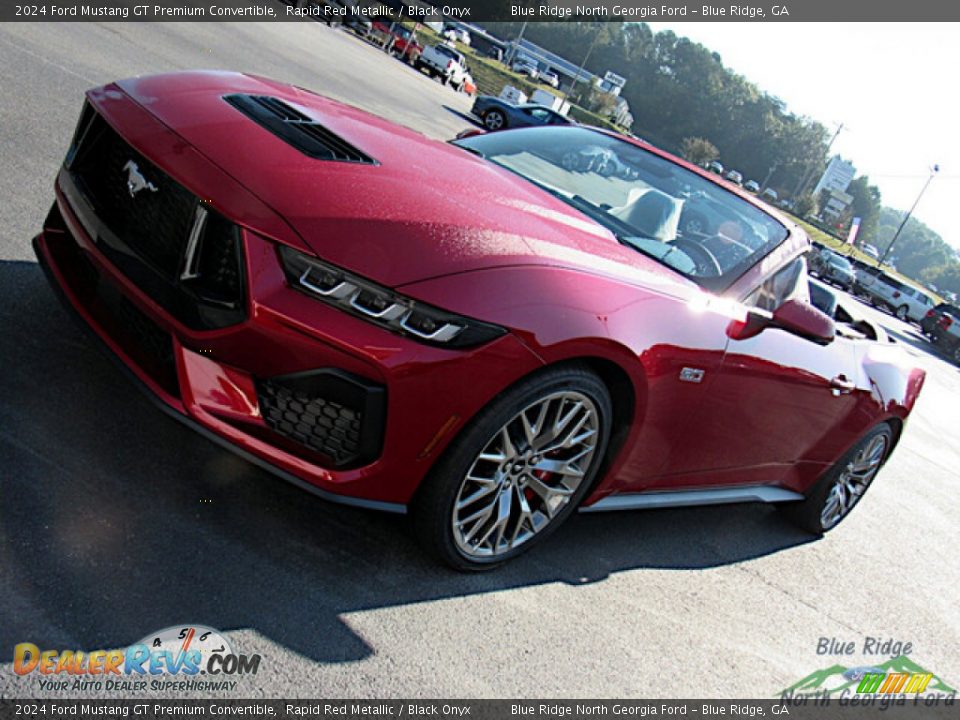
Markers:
<point>692,498</point>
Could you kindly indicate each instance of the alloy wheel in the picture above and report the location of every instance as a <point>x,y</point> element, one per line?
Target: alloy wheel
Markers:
<point>853,481</point>
<point>493,120</point>
<point>525,475</point>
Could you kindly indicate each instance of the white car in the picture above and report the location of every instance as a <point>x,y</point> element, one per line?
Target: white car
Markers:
<point>549,77</point>
<point>908,303</point>
<point>456,35</point>
<point>526,66</point>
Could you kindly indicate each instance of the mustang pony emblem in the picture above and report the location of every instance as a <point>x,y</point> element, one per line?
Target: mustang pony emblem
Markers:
<point>135,179</point>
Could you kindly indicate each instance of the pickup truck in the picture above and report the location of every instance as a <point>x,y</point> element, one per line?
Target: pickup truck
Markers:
<point>444,62</point>
<point>401,42</point>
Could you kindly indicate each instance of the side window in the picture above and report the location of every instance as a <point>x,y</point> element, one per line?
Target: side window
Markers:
<point>788,282</point>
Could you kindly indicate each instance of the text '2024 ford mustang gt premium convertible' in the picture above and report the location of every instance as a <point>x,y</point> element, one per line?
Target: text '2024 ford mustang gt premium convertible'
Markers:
<point>475,331</point>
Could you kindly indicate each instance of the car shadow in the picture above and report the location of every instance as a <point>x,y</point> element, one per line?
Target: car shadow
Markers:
<point>463,116</point>
<point>116,520</point>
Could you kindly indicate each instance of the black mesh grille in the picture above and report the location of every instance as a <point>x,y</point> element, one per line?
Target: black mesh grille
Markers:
<point>142,219</point>
<point>320,424</point>
<point>335,414</point>
<point>155,222</point>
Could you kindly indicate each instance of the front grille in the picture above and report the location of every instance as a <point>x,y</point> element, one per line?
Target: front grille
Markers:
<point>142,340</point>
<point>330,412</point>
<point>154,222</point>
<point>142,220</point>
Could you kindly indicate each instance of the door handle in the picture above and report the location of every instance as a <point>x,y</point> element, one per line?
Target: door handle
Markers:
<point>841,386</point>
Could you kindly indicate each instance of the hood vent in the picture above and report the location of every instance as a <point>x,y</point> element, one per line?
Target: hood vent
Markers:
<point>296,129</point>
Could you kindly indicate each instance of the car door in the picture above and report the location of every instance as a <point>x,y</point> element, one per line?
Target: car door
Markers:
<point>776,402</point>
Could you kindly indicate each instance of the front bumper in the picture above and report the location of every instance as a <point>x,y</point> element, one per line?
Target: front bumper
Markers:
<point>239,385</point>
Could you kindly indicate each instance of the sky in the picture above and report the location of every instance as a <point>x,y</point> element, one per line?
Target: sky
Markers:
<point>891,85</point>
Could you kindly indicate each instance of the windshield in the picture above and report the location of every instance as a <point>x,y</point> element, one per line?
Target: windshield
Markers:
<point>841,263</point>
<point>655,206</point>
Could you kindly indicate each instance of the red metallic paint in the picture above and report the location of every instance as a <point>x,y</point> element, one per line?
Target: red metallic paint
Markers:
<point>452,230</point>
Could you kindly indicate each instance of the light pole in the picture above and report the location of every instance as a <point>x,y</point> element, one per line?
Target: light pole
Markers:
<point>933,171</point>
<point>582,65</point>
<point>808,175</point>
<point>512,53</point>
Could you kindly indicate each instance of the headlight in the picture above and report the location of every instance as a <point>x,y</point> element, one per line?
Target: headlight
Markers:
<point>363,298</point>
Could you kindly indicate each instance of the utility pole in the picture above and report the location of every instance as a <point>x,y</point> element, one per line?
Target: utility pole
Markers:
<point>516,45</point>
<point>933,171</point>
<point>586,57</point>
<point>808,176</point>
<point>770,172</point>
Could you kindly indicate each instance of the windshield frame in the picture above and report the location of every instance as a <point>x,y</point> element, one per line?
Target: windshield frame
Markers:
<point>716,284</point>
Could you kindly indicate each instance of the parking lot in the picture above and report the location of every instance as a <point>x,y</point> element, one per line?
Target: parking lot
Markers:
<point>116,521</point>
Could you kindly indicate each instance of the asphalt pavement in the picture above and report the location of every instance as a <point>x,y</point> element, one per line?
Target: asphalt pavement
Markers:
<point>115,521</point>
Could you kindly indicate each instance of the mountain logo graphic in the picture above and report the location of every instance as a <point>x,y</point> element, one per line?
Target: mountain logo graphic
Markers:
<point>837,678</point>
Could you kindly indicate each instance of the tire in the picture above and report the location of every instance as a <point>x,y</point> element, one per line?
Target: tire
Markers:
<point>839,490</point>
<point>495,469</point>
<point>902,313</point>
<point>494,120</point>
<point>955,354</point>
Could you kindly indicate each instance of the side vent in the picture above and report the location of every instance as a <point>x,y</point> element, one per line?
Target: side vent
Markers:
<point>297,130</point>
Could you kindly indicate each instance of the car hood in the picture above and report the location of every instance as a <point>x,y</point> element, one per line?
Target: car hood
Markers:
<point>423,209</point>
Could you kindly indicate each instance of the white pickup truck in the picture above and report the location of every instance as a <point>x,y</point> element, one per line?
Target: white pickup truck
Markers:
<point>444,62</point>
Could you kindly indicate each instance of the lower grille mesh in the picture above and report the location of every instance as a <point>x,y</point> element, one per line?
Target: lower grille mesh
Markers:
<point>322,425</point>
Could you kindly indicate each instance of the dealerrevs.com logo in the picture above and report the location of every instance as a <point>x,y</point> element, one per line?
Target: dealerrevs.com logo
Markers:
<point>170,659</point>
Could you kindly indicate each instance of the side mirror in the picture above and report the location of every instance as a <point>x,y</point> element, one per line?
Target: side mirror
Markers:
<point>794,316</point>
<point>469,132</point>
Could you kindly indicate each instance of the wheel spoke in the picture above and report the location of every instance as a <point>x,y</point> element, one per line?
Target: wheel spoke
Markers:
<point>482,492</point>
<point>561,467</point>
<point>852,483</point>
<point>497,510</point>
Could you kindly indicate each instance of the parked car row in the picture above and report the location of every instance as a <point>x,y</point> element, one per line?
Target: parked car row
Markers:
<point>736,177</point>
<point>879,288</point>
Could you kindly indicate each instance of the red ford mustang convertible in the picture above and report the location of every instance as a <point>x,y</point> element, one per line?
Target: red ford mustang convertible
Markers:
<point>489,333</point>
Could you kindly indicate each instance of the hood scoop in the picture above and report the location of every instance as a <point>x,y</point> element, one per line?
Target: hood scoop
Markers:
<point>297,129</point>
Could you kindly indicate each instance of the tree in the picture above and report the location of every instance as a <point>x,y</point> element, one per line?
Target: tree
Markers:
<point>698,150</point>
<point>806,206</point>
